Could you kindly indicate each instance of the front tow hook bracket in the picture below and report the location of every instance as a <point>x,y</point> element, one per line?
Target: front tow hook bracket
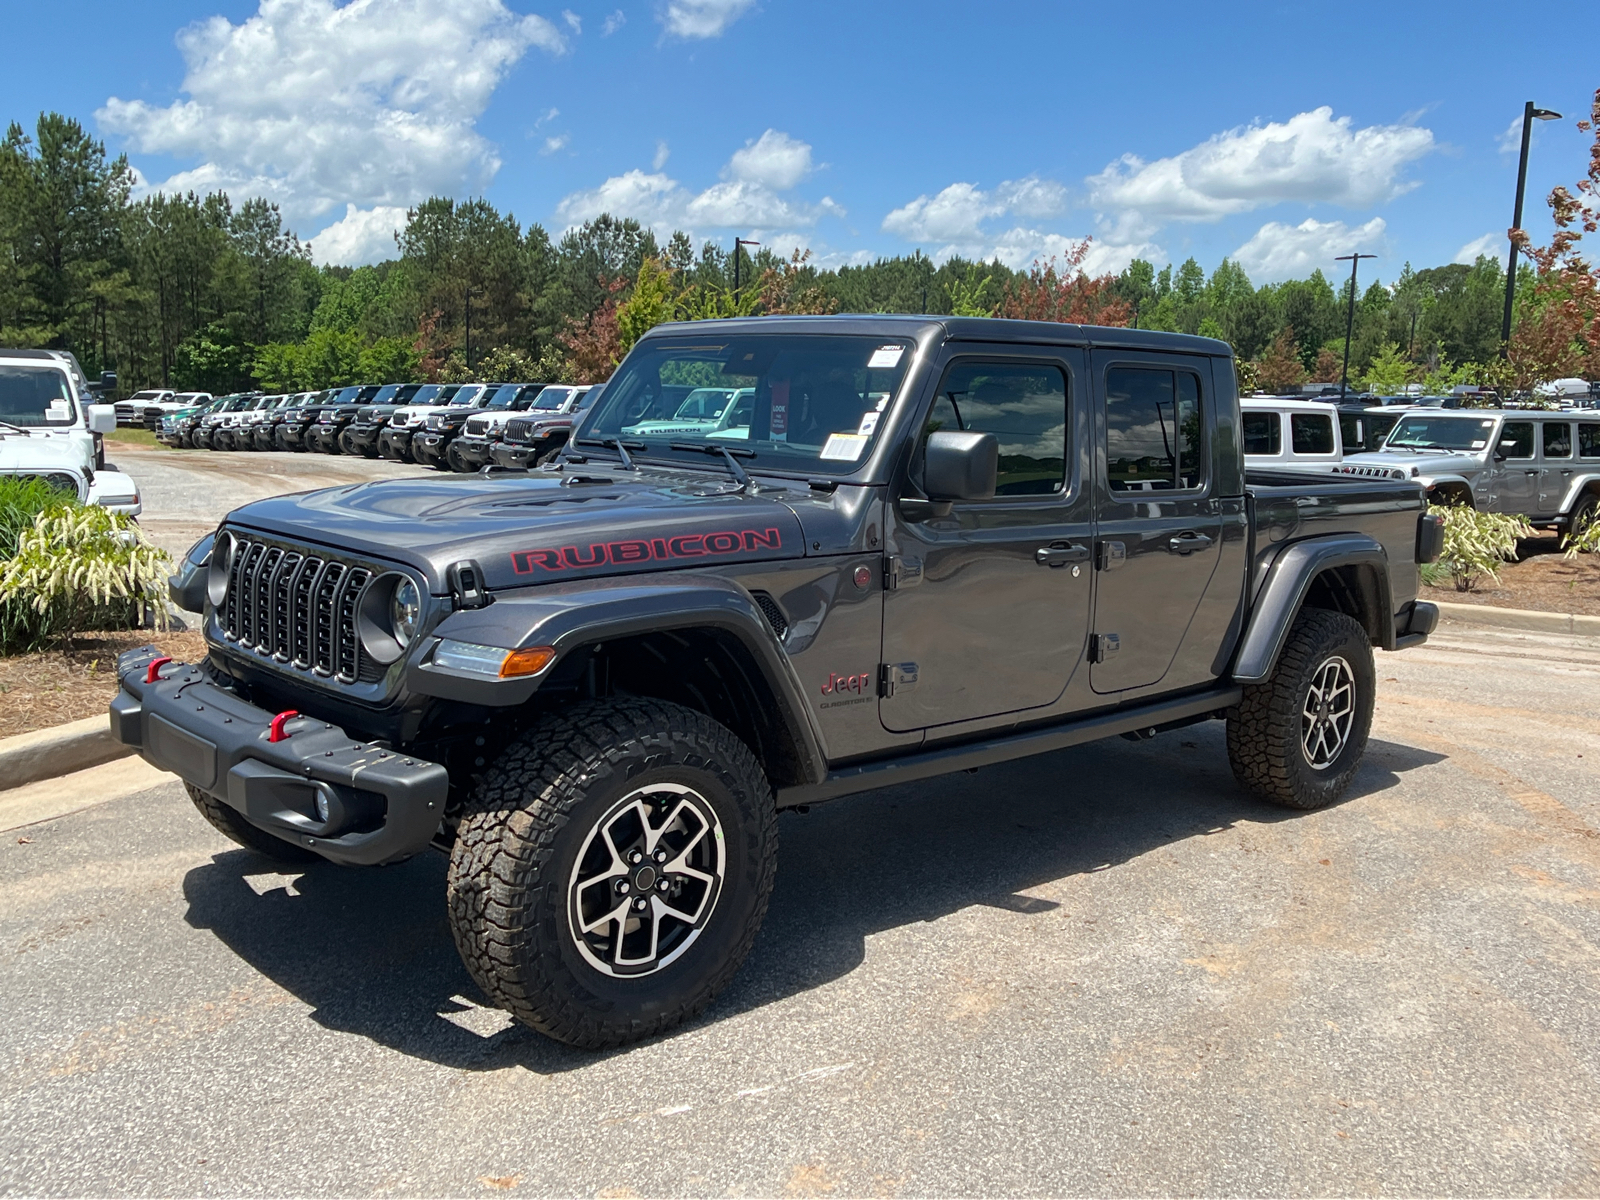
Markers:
<point>153,671</point>
<point>277,733</point>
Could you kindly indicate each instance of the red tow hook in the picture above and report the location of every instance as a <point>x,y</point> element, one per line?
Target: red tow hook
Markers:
<point>153,675</point>
<point>275,732</point>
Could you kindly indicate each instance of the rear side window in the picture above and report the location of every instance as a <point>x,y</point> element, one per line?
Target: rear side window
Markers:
<point>1263,433</point>
<point>1588,440</point>
<point>1557,439</point>
<point>1152,429</point>
<point>1516,439</point>
<point>1025,406</point>
<point>1312,433</point>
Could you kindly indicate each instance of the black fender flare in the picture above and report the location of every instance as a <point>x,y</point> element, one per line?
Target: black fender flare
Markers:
<point>568,616</point>
<point>1288,581</point>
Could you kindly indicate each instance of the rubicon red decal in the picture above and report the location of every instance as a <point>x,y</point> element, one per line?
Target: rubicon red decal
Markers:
<point>643,550</point>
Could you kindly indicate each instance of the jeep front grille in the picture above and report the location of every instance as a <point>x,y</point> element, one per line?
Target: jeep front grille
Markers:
<point>519,429</point>
<point>296,608</point>
<point>477,425</point>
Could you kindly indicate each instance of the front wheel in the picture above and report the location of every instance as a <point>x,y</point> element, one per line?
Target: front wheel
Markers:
<point>1297,738</point>
<point>611,871</point>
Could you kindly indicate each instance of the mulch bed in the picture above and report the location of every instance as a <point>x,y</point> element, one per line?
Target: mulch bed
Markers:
<point>76,681</point>
<point>1542,580</point>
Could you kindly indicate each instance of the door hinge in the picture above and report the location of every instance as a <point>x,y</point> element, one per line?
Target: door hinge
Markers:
<point>901,572</point>
<point>1103,645</point>
<point>1111,556</point>
<point>895,675</point>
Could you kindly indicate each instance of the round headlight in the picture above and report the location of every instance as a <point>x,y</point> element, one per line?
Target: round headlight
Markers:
<point>220,570</point>
<point>405,611</point>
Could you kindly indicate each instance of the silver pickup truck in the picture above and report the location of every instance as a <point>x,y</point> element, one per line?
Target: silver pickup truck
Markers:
<point>1544,466</point>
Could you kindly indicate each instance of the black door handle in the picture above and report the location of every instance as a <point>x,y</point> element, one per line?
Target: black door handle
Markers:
<point>1188,543</point>
<point>1060,554</point>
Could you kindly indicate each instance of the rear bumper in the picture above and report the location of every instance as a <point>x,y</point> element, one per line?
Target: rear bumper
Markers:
<point>1414,623</point>
<point>382,805</point>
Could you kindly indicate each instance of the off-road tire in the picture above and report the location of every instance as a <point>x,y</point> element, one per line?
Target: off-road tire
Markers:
<point>1264,731</point>
<point>517,845</point>
<point>236,829</point>
<point>453,459</point>
<point>1584,514</point>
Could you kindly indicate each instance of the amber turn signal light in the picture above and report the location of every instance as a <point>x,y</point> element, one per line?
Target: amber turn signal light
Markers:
<point>527,662</point>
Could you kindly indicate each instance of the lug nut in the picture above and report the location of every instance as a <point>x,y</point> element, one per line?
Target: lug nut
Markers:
<point>664,885</point>
<point>661,856</point>
<point>622,886</point>
<point>639,905</point>
<point>635,857</point>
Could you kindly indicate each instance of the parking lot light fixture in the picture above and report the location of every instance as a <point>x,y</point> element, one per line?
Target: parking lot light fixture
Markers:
<point>1350,324</point>
<point>1530,114</point>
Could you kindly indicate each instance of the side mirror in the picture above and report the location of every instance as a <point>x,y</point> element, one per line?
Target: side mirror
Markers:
<point>961,466</point>
<point>102,418</point>
<point>108,382</point>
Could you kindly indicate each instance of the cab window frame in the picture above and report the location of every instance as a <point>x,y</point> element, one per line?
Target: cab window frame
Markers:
<point>1202,449</point>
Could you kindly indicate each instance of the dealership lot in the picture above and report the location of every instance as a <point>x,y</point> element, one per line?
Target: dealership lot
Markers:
<point>1102,970</point>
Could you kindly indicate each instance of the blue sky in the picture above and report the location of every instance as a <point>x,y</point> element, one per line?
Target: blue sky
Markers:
<point>1281,135</point>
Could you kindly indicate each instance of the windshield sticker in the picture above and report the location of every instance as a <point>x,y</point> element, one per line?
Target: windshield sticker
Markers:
<point>884,357</point>
<point>844,447</point>
<point>778,421</point>
<point>869,422</point>
<point>59,410</point>
<point>1479,444</point>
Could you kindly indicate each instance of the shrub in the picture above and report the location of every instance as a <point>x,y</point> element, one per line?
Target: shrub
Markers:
<point>23,498</point>
<point>1476,543</point>
<point>79,567</point>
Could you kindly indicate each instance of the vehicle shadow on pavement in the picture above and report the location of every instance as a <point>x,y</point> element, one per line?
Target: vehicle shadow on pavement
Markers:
<point>370,950</point>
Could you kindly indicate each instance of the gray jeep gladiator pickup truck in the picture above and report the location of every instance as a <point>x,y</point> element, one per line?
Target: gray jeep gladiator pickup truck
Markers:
<point>924,545</point>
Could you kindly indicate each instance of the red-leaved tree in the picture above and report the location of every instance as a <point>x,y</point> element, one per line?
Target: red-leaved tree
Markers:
<point>594,343</point>
<point>1066,294</point>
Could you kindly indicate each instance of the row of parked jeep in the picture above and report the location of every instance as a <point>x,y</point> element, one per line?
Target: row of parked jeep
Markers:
<point>450,427</point>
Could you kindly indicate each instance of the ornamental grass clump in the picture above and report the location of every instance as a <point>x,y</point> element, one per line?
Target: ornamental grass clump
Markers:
<point>1476,543</point>
<point>79,567</point>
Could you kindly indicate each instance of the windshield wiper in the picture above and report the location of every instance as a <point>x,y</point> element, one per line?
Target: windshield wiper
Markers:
<point>617,444</point>
<point>734,469</point>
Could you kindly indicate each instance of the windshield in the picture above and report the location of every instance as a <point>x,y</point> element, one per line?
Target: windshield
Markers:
<point>504,396</point>
<point>467,396</point>
<point>551,398</point>
<point>428,393</point>
<point>797,402</point>
<point>35,396</point>
<point>344,395</point>
<point>386,393</point>
<point>1441,433</point>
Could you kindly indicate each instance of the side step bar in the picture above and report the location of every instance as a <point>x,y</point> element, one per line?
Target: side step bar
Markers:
<point>965,756</point>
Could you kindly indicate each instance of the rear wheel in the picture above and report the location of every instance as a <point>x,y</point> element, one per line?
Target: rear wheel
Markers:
<point>1297,738</point>
<point>235,828</point>
<point>611,872</point>
<point>1584,515</point>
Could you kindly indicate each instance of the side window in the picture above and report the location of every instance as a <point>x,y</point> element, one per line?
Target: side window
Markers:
<point>1350,439</point>
<point>1557,439</point>
<point>1312,433</point>
<point>1516,439</point>
<point>1025,406</point>
<point>1588,440</point>
<point>1152,429</point>
<point>1263,433</point>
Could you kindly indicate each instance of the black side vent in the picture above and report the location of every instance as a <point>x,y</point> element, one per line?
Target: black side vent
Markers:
<point>774,614</point>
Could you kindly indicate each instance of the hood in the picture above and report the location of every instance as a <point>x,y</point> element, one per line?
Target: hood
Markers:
<point>1414,464</point>
<point>524,530</point>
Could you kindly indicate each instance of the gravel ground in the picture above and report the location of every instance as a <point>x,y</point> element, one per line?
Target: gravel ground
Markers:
<point>1100,971</point>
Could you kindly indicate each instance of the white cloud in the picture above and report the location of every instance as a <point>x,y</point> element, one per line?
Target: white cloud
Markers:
<point>702,18</point>
<point>1490,245</point>
<point>774,160</point>
<point>360,237</point>
<point>314,105</point>
<point>573,20</point>
<point>1313,157</point>
<point>1033,197</point>
<point>955,214</point>
<point>559,142</point>
<point>726,205</point>
<point>1279,251</point>
<point>955,219</point>
<point>613,23</point>
<point>663,152</point>
<point>651,199</point>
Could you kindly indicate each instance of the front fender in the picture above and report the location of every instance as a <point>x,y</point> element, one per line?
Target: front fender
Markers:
<point>1288,581</point>
<point>568,616</point>
<point>1429,482</point>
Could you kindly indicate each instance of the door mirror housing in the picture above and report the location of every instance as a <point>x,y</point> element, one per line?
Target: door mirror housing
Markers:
<point>102,418</point>
<point>108,383</point>
<point>961,465</point>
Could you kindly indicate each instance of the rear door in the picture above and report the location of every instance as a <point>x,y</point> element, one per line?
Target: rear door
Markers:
<point>1157,526</point>
<point>1517,489</point>
<point>1555,465</point>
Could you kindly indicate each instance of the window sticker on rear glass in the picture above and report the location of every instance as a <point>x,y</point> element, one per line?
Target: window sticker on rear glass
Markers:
<point>884,357</point>
<point>844,447</point>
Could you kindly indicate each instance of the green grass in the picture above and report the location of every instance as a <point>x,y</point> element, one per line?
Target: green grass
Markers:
<point>138,437</point>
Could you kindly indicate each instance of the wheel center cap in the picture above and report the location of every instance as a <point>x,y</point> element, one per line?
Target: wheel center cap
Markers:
<point>644,878</point>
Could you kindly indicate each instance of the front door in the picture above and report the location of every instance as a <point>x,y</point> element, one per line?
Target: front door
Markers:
<point>1157,530</point>
<point>987,609</point>
<point>1517,469</point>
<point>1555,467</point>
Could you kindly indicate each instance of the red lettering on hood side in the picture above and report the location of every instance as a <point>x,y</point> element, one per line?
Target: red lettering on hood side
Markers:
<point>569,558</point>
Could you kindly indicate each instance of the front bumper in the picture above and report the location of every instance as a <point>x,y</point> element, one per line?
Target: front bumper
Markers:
<point>395,443</point>
<point>473,450</point>
<point>383,806</point>
<point>516,455</point>
<point>365,436</point>
<point>321,437</point>
<point>430,447</point>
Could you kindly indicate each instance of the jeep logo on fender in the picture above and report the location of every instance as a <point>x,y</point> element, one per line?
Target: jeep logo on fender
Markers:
<point>694,545</point>
<point>847,683</point>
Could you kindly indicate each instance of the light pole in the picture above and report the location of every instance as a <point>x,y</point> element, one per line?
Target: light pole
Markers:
<point>467,339</point>
<point>737,242</point>
<point>1529,115</point>
<point>1350,323</point>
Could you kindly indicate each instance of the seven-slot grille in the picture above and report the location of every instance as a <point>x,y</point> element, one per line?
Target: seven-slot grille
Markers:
<point>519,429</point>
<point>477,425</point>
<point>296,608</point>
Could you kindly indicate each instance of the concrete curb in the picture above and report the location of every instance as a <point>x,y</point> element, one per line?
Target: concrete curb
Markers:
<point>1519,618</point>
<point>47,753</point>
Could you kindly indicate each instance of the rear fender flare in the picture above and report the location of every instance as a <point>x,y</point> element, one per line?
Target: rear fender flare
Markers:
<point>1289,581</point>
<point>570,616</point>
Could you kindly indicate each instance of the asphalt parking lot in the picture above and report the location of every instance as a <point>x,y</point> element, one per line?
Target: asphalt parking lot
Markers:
<point>1100,971</point>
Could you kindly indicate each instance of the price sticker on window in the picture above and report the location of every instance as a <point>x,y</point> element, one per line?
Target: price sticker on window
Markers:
<point>844,447</point>
<point>884,357</point>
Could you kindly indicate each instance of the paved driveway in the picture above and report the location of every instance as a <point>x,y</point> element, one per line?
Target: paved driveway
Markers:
<point>1099,971</point>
